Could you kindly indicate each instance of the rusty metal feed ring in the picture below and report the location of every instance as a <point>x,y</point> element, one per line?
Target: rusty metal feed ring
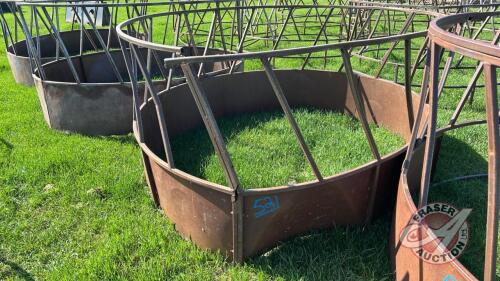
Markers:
<point>243,223</point>
<point>414,183</point>
<point>43,42</point>
<point>246,222</point>
<point>88,93</point>
<point>79,72</point>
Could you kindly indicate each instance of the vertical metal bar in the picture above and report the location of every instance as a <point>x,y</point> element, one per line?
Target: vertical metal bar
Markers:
<point>355,27</point>
<point>233,29</point>
<point>289,15</point>
<point>192,42</point>
<point>221,28</point>
<point>7,34</point>
<point>211,124</point>
<point>149,32</point>
<point>431,128</point>
<point>318,36</point>
<point>466,94</point>
<point>409,101</point>
<point>207,44</point>
<point>242,40</point>
<point>37,34</point>
<point>176,40</point>
<point>288,113</point>
<point>83,31</point>
<point>48,28</point>
<point>419,56</point>
<point>165,31</point>
<point>268,21</point>
<point>82,28</point>
<point>416,125</point>
<point>62,46</point>
<point>103,45</point>
<point>135,89</point>
<point>296,28</point>
<point>359,103</point>
<point>239,18</point>
<point>221,150</point>
<point>393,46</point>
<point>58,25</point>
<point>372,32</point>
<point>159,109</point>
<point>490,261</point>
<point>31,46</point>
<point>446,70</point>
<point>471,86</point>
<point>362,117</point>
<point>365,24</point>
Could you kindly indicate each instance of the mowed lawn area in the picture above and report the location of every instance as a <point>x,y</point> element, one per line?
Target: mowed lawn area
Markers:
<point>74,207</point>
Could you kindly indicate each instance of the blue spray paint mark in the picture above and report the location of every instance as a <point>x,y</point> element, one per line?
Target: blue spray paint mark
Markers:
<point>449,277</point>
<point>266,205</point>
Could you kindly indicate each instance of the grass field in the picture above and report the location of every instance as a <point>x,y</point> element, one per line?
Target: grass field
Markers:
<point>265,153</point>
<point>78,208</point>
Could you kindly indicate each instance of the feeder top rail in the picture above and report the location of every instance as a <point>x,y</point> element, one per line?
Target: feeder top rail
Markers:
<point>290,52</point>
<point>446,6</point>
<point>439,32</point>
<point>268,53</point>
<point>111,3</point>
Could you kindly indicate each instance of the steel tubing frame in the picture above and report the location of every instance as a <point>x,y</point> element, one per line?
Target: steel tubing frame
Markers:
<point>46,14</point>
<point>232,228</point>
<point>88,93</point>
<point>425,142</point>
<point>289,23</point>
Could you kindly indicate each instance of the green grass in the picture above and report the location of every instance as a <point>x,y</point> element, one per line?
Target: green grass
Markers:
<point>78,208</point>
<point>265,151</point>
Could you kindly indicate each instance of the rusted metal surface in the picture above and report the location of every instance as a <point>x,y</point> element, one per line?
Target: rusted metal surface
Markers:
<point>34,36</point>
<point>90,94</point>
<point>414,183</point>
<point>99,105</point>
<point>201,210</point>
<point>85,89</point>
<point>20,61</point>
<point>244,222</point>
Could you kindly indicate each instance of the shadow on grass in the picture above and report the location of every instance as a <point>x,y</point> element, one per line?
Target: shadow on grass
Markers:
<point>357,253</point>
<point>265,152</point>
<point>125,139</point>
<point>14,270</point>
<point>122,139</point>
<point>197,142</point>
<point>457,158</point>
<point>6,144</point>
<point>341,253</point>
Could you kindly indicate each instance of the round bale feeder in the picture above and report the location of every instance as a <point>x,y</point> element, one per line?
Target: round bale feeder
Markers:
<point>89,92</point>
<point>101,102</point>
<point>20,62</point>
<point>55,31</point>
<point>44,44</point>
<point>425,144</point>
<point>381,53</point>
<point>242,222</point>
